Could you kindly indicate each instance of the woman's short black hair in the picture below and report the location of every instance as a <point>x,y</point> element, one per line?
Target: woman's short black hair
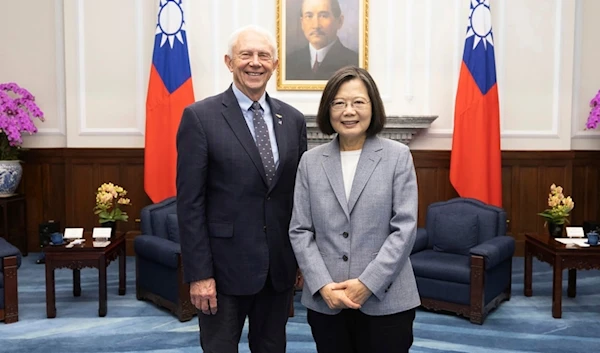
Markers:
<point>332,87</point>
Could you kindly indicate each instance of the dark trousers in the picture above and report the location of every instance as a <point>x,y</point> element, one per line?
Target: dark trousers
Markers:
<point>352,331</point>
<point>267,313</point>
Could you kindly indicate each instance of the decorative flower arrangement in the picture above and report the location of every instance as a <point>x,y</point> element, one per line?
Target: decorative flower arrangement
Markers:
<point>109,199</point>
<point>594,117</point>
<point>17,111</point>
<point>560,206</point>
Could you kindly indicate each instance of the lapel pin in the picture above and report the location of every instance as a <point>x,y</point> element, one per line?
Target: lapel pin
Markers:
<point>278,118</point>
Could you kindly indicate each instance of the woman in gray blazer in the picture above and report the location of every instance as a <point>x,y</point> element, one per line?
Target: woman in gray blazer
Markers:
<point>354,224</point>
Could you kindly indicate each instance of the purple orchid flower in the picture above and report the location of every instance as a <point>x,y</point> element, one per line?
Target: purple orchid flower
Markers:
<point>17,111</point>
<point>594,117</point>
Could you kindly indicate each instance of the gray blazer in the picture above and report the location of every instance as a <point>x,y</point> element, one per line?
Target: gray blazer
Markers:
<point>369,236</point>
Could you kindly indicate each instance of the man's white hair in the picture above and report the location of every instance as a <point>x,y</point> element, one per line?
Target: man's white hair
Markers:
<point>256,29</point>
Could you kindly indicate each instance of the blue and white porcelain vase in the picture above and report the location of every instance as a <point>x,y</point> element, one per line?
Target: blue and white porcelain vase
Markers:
<point>10,177</point>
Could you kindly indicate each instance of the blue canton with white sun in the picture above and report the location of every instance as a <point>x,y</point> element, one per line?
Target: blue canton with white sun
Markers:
<point>170,28</point>
<point>479,46</point>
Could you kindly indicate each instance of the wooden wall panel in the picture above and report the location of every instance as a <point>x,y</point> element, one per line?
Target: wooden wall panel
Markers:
<point>43,184</point>
<point>507,197</point>
<point>81,191</point>
<point>32,185</point>
<point>586,191</point>
<point>60,184</point>
<point>427,184</point>
<point>54,207</point>
<point>531,174</point>
<point>433,178</point>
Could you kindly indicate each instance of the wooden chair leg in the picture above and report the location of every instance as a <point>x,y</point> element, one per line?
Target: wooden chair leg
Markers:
<point>11,296</point>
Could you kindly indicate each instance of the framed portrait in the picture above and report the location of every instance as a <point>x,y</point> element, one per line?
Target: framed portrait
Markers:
<point>315,38</point>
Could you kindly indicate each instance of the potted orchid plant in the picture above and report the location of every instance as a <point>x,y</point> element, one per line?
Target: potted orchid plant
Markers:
<point>109,200</point>
<point>17,113</point>
<point>594,117</point>
<point>558,214</point>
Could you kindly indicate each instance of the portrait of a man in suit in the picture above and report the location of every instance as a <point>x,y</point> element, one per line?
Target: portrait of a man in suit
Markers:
<point>324,52</point>
<point>319,37</point>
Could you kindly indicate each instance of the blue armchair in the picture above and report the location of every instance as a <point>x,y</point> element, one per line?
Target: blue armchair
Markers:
<point>462,259</point>
<point>10,261</point>
<point>159,272</point>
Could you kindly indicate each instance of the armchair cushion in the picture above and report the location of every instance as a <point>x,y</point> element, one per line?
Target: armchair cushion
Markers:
<point>495,250</point>
<point>442,266</point>
<point>455,233</point>
<point>172,228</point>
<point>158,249</point>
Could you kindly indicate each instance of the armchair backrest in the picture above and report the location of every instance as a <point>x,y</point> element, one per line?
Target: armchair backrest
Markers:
<point>491,219</point>
<point>154,217</point>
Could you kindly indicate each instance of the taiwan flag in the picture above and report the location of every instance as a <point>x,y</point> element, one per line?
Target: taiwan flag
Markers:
<point>475,163</point>
<point>169,92</point>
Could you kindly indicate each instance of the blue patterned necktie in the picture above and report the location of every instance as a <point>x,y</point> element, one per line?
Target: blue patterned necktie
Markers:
<point>263,142</point>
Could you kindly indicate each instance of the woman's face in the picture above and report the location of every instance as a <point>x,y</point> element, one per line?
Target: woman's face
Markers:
<point>351,111</point>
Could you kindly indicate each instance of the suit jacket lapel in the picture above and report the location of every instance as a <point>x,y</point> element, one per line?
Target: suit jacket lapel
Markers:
<point>333,169</point>
<point>369,158</point>
<point>278,117</point>
<point>331,59</point>
<point>234,117</point>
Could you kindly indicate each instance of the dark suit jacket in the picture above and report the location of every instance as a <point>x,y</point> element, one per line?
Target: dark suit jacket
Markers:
<point>298,63</point>
<point>233,226</point>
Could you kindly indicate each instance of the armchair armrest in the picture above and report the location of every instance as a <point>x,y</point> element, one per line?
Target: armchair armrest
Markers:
<point>157,249</point>
<point>7,249</point>
<point>421,241</point>
<point>495,250</point>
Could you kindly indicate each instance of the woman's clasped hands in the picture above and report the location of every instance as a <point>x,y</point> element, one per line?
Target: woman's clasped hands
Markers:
<point>350,294</point>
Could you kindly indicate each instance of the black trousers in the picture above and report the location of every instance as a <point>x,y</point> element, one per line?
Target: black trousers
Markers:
<point>267,313</point>
<point>352,331</point>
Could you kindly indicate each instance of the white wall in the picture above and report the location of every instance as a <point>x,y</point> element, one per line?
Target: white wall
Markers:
<point>88,61</point>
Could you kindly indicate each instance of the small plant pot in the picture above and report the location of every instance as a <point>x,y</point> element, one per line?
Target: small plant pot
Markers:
<point>555,230</point>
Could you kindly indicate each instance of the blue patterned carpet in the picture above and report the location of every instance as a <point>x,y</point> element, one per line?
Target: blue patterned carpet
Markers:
<point>520,325</point>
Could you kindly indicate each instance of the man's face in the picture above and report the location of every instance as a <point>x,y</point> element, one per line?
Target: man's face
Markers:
<point>318,23</point>
<point>252,64</point>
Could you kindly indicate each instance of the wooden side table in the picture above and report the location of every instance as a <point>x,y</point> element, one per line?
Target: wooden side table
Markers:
<point>78,257</point>
<point>560,257</point>
<point>14,227</point>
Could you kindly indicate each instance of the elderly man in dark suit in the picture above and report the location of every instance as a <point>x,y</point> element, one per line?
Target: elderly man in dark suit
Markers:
<point>238,153</point>
<point>324,54</point>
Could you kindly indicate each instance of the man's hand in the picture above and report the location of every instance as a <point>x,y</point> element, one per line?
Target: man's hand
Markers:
<point>203,295</point>
<point>334,296</point>
<point>356,291</point>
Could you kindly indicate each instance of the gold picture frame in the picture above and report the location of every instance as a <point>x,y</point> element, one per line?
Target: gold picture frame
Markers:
<point>294,70</point>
